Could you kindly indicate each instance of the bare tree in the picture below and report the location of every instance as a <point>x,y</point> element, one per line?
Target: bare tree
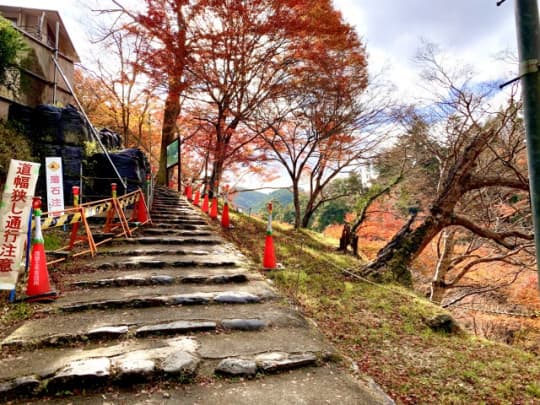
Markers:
<point>482,159</point>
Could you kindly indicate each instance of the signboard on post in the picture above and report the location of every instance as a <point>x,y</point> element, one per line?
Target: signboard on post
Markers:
<point>172,153</point>
<point>55,185</point>
<point>14,215</point>
<point>173,159</point>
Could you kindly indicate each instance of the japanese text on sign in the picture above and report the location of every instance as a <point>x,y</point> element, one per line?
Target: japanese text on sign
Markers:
<point>14,214</point>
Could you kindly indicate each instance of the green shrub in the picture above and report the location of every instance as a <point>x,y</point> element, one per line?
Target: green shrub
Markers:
<point>13,145</point>
<point>12,48</point>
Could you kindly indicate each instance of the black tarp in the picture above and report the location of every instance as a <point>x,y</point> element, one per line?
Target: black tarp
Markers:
<point>73,128</point>
<point>62,132</point>
<point>132,165</point>
<point>46,128</point>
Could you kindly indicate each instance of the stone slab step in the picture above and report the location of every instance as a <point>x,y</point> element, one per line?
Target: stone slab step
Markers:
<point>274,350</point>
<point>176,240</point>
<point>179,221</point>
<point>150,296</point>
<point>65,328</point>
<point>187,230</point>
<point>173,208</point>
<point>56,370</point>
<point>162,276</point>
<point>158,249</point>
<point>104,279</point>
<point>314,385</point>
<point>161,261</point>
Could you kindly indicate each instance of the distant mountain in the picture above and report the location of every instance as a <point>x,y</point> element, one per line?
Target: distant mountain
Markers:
<point>249,199</point>
<point>257,201</point>
<point>282,197</point>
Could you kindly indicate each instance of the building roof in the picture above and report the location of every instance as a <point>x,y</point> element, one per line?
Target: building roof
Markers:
<point>66,46</point>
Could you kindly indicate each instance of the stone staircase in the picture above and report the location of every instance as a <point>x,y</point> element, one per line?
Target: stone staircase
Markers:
<point>175,303</point>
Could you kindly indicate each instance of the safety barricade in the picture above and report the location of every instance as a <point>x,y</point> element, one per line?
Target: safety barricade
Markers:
<point>116,222</point>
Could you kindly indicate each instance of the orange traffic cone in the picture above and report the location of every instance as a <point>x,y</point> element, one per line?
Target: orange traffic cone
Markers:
<point>205,204</point>
<point>196,199</point>
<point>214,209</point>
<point>38,288</point>
<point>269,260</point>
<point>141,211</point>
<point>225,223</point>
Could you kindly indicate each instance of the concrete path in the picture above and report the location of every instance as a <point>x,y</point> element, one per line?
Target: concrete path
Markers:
<point>175,303</point>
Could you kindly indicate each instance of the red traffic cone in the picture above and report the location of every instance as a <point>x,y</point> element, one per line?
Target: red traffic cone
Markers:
<point>189,192</point>
<point>205,204</point>
<point>196,200</point>
<point>269,260</point>
<point>142,211</point>
<point>38,288</point>
<point>225,223</point>
<point>214,208</point>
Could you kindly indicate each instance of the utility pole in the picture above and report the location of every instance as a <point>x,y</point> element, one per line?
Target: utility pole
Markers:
<point>528,38</point>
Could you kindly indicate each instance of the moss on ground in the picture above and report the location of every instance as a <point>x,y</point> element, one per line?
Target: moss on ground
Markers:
<point>383,327</point>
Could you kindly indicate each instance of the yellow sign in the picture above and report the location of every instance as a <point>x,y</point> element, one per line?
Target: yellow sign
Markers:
<point>53,166</point>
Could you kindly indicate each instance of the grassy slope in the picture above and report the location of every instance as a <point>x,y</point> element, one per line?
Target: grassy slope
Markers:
<point>382,328</point>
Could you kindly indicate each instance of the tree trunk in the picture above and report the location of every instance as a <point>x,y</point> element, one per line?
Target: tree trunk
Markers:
<point>438,284</point>
<point>308,213</point>
<point>297,208</point>
<point>168,132</point>
<point>345,238</point>
<point>215,178</point>
<point>393,260</point>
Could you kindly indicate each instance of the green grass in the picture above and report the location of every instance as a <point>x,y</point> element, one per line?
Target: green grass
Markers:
<point>54,239</point>
<point>18,312</point>
<point>383,328</point>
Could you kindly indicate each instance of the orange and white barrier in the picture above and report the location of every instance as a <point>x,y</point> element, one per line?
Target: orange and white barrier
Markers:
<point>116,220</point>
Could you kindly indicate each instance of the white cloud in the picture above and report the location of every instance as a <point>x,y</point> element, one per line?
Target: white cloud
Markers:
<point>471,31</point>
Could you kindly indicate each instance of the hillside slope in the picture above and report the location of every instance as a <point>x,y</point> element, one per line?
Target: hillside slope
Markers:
<point>384,329</point>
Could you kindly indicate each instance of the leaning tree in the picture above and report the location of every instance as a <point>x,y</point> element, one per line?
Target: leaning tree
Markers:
<point>480,158</point>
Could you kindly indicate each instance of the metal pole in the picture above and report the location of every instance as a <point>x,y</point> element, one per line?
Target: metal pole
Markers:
<point>528,38</point>
<point>55,61</point>
<point>180,164</point>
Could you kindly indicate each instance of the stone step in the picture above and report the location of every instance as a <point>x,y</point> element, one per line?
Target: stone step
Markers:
<point>171,205</point>
<point>165,295</point>
<point>180,222</point>
<point>186,230</point>
<point>189,272</point>
<point>309,385</point>
<point>103,279</point>
<point>121,249</point>
<point>235,354</point>
<point>159,207</point>
<point>56,370</point>
<point>176,240</point>
<point>162,261</point>
<point>75,328</point>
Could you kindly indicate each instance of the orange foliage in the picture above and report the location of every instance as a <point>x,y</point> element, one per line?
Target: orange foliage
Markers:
<point>333,231</point>
<point>382,221</point>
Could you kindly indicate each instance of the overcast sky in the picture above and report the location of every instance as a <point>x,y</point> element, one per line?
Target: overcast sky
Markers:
<point>470,31</point>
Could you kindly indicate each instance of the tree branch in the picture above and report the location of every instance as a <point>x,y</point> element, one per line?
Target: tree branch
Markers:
<point>498,237</point>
